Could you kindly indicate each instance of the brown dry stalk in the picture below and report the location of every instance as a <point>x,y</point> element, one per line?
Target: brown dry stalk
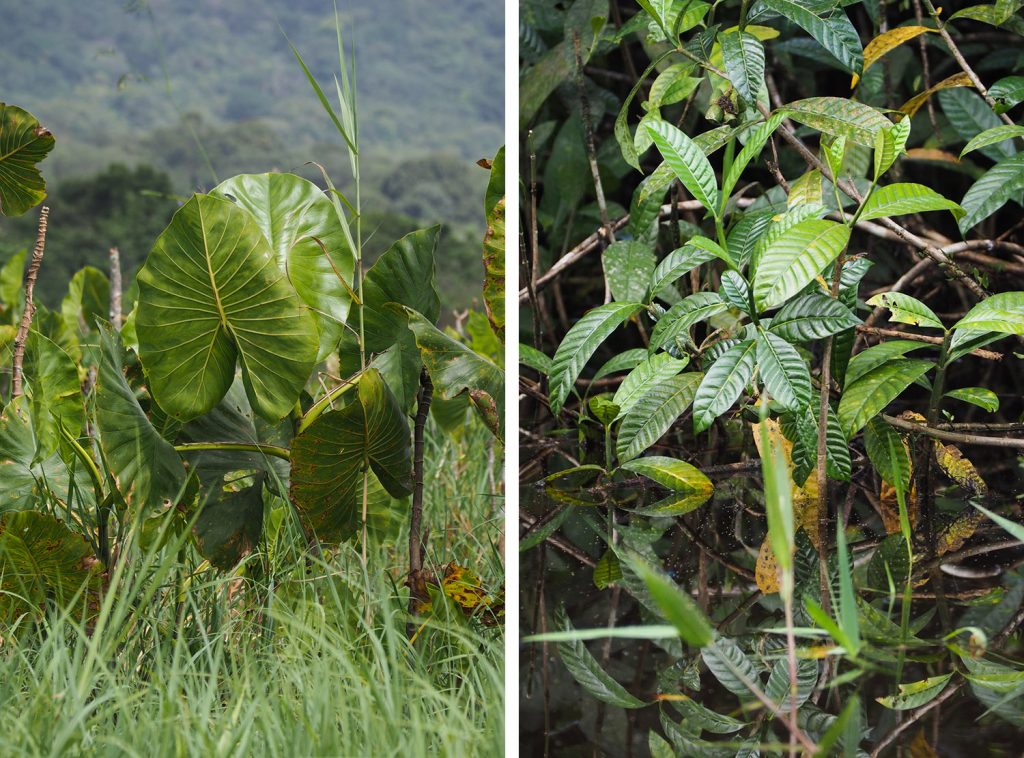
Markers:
<point>115,288</point>
<point>30,307</point>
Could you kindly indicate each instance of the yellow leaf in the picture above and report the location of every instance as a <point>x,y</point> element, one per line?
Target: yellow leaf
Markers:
<point>887,41</point>
<point>959,469</point>
<point>956,534</point>
<point>930,154</point>
<point>913,104</point>
<point>767,573</point>
<point>921,748</point>
<point>805,498</point>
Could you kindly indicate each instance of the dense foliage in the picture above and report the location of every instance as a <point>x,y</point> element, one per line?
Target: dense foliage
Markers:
<point>786,232</point>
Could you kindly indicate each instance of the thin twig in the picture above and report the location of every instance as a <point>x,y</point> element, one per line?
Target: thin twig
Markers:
<point>30,307</point>
<point>948,436</point>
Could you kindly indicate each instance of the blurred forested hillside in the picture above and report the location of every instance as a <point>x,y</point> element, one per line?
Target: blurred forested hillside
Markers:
<point>152,99</point>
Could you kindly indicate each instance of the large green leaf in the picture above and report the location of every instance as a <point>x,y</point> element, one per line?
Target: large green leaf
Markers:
<point>874,356</point>
<point>628,267</point>
<point>783,372</point>
<point>675,323</point>
<point>871,393</point>
<point>840,117</point>
<point>723,384</point>
<point>56,395</point>
<point>40,559</point>
<point>23,143</point>
<point>230,522</point>
<point>296,218</point>
<point>329,458</point>
<point>647,375</point>
<point>579,344</point>
<point>794,259</point>
<point>211,294</point>
<point>731,666</point>
<point>835,32</point>
<point>743,55</point>
<point>905,197</point>
<point>887,453</point>
<point>813,316</point>
<point>778,688</point>
<point>147,471</point>
<point>992,136</point>
<point>404,274</point>
<point>588,672</point>
<point>455,368</point>
<point>687,161</point>
<point>1000,183</point>
<point>88,298</point>
<point>1002,313</point>
<point>676,475</point>
<point>653,414</point>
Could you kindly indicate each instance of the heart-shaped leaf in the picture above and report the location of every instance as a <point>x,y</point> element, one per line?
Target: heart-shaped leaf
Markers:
<point>23,143</point>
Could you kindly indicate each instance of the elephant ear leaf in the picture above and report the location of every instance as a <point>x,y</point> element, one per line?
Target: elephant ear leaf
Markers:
<point>369,435</point>
<point>404,274</point>
<point>308,240</point>
<point>40,559</point>
<point>148,472</point>
<point>211,295</point>
<point>229,525</point>
<point>23,143</point>
<point>455,368</point>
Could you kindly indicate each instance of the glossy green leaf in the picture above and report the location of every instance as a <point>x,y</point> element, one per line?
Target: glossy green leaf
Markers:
<point>887,453</point>
<point>992,136</point>
<point>778,688</point>
<point>874,356</point>
<point>147,471</point>
<point>212,295</point>
<point>296,218</point>
<point>706,719</point>
<point>674,265</point>
<point>579,344</point>
<point>916,694</point>
<point>628,267</point>
<point>1008,91</point>
<point>907,310</point>
<point>404,274</point>
<point>455,368</point>
<point>647,375</point>
<point>813,316</point>
<point>533,358</point>
<point>793,260</point>
<point>1002,313</point>
<point>723,384</point>
<point>835,33</point>
<point>672,473</point>
<point>675,323</point>
<point>731,666</point>
<point>979,396</point>
<point>735,290</point>
<point>588,672</point>
<point>840,117</point>
<point>755,143</point>
<point>687,161</point>
<point>743,55</point>
<point>905,197</point>
<point>869,395</point>
<point>23,143</point>
<point>627,360</point>
<point>783,371</point>
<point>970,115</point>
<point>329,458</point>
<point>654,413</point>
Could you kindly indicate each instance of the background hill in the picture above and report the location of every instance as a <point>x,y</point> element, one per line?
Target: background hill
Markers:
<point>151,101</point>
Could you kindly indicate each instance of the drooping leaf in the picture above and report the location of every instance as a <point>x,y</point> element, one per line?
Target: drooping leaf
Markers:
<point>494,245</point>
<point>628,266</point>
<point>674,265</point>
<point>839,117</point>
<point>992,136</point>
<point>907,310</point>
<point>211,294</point>
<point>793,260</point>
<point>970,115</point>
<point>868,396</point>
<point>874,356</point>
<point>887,41</point>
<point>687,161</point>
<point>723,384</point>
<point>914,104</point>
<point>579,344</point>
<point>23,144</point>
<point>905,197</point>
<point>147,471</point>
<point>329,458</point>
<point>653,414</point>
<point>588,672</point>
<point>455,368</point>
<point>308,241</point>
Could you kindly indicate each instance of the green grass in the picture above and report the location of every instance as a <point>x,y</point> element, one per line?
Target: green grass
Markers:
<point>294,655</point>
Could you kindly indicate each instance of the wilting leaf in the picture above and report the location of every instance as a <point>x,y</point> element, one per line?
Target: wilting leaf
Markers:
<point>494,245</point>
<point>767,573</point>
<point>210,295</point>
<point>916,694</point>
<point>230,522</point>
<point>887,41</point>
<point>23,143</point>
<point>959,469</point>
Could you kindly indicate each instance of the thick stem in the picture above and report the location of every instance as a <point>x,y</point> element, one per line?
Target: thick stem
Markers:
<point>115,288</point>
<point>252,447</point>
<point>30,307</point>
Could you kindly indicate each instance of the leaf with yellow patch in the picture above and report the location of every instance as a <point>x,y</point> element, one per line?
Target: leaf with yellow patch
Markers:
<point>956,534</point>
<point>959,469</point>
<point>767,573</point>
<point>887,41</point>
<point>914,104</point>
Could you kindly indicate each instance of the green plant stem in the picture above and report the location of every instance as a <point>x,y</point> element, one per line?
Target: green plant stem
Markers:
<point>252,447</point>
<point>325,403</point>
